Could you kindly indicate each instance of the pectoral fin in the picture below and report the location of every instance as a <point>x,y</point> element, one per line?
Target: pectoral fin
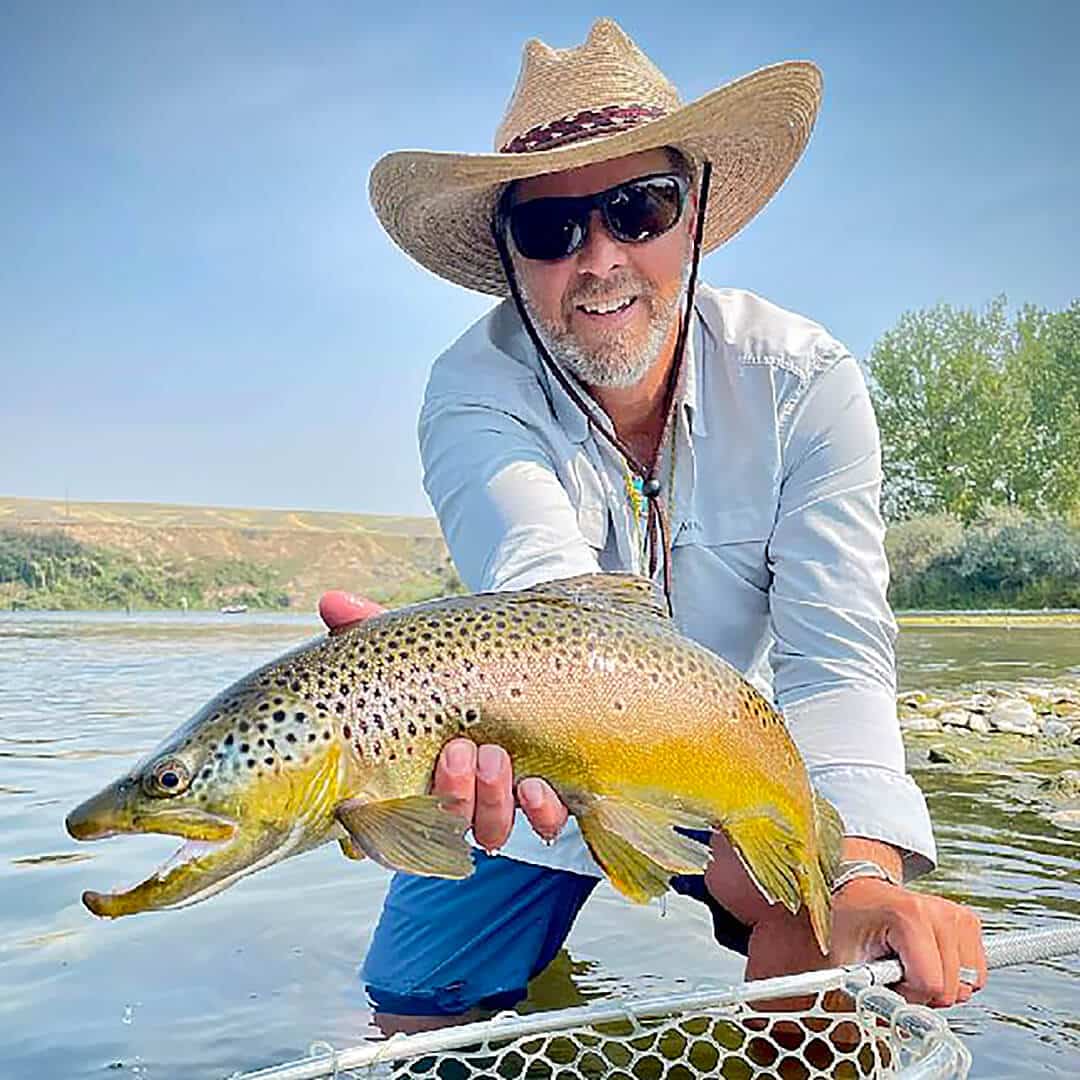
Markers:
<point>636,844</point>
<point>350,849</point>
<point>418,834</point>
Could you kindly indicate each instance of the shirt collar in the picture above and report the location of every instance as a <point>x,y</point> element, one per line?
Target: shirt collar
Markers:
<point>699,347</point>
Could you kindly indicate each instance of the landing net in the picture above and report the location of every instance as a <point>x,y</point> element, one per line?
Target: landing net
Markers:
<point>841,1024</point>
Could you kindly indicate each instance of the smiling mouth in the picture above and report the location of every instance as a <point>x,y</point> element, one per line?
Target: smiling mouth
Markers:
<point>607,307</point>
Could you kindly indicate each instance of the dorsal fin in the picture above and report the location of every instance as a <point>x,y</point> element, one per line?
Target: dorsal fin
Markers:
<point>631,593</point>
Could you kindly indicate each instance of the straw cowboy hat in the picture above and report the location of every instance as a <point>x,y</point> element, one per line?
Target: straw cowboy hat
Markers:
<point>574,107</point>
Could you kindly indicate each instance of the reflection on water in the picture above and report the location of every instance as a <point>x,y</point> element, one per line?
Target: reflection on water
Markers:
<point>258,973</point>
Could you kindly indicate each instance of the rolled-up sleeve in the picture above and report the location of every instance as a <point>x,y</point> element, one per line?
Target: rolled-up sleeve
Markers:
<point>507,520</point>
<point>833,631</point>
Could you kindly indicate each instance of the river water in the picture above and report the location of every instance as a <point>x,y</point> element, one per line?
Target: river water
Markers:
<point>257,974</point>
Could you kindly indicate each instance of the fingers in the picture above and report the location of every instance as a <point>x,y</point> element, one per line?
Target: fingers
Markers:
<point>938,942</point>
<point>480,782</point>
<point>935,942</point>
<point>543,808</point>
<point>455,776</point>
<point>341,609</point>
<point>494,815</point>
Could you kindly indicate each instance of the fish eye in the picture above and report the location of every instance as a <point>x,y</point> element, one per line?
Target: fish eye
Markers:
<point>170,776</point>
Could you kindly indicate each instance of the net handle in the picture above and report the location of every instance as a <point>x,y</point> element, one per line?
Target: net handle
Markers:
<point>1002,950</point>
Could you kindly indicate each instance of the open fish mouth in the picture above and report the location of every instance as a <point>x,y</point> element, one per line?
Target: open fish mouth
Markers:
<point>210,858</point>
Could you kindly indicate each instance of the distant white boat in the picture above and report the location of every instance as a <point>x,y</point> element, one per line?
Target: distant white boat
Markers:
<point>234,609</point>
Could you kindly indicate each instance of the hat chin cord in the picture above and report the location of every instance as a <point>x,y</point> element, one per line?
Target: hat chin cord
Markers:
<point>657,529</point>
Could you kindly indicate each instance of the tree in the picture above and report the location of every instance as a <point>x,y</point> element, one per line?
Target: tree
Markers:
<point>975,411</point>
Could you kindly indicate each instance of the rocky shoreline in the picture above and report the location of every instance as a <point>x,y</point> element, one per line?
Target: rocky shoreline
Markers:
<point>995,725</point>
<point>1047,710</point>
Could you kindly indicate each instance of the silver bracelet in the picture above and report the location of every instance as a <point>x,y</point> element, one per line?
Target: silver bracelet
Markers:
<point>850,869</point>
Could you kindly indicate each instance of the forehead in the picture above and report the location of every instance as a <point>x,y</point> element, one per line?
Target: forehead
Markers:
<point>590,178</point>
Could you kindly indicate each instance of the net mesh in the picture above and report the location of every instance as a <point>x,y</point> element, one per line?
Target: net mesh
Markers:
<point>840,1034</point>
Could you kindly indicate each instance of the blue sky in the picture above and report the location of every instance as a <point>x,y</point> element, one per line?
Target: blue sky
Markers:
<point>197,305</point>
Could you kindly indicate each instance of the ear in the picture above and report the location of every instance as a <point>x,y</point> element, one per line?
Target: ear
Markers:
<point>690,215</point>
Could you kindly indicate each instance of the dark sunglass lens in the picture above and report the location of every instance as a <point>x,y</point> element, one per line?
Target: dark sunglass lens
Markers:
<point>642,209</point>
<point>546,229</point>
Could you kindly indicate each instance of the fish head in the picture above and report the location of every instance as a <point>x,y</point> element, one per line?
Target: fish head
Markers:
<point>252,778</point>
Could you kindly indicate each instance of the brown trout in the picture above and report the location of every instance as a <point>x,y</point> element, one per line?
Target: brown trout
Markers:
<point>585,682</point>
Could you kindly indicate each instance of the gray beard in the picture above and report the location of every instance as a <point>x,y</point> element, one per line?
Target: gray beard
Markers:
<point>616,363</point>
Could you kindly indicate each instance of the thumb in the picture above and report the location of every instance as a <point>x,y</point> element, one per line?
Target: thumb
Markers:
<point>340,609</point>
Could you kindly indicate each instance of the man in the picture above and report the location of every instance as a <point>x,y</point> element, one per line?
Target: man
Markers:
<point>611,415</point>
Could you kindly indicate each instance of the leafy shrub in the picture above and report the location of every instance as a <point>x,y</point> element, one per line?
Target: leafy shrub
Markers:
<point>1006,559</point>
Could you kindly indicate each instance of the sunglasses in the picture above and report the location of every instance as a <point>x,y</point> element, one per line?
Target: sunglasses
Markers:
<point>553,228</point>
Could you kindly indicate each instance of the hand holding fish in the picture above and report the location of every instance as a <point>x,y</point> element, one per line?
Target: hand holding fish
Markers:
<point>933,937</point>
<point>478,779</point>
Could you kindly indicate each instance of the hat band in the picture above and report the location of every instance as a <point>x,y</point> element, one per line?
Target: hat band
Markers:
<point>582,125</point>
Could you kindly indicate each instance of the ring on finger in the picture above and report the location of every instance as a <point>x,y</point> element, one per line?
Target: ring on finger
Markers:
<point>969,975</point>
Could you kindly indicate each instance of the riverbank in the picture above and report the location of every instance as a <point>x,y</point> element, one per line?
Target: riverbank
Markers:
<point>1007,570</point>
<point>1008,619</point>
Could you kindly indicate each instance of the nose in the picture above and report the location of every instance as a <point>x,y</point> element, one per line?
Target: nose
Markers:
<point>601,253</point>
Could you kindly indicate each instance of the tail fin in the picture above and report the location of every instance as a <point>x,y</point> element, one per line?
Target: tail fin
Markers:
<point>829,832</point>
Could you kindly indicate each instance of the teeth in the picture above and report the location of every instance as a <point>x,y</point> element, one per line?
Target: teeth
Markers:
<point>608,308</point>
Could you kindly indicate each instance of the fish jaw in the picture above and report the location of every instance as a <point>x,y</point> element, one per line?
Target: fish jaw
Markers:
<point>246,828</point>
<point>216,850</point>
<point>117,810</point>
<point>195,872</point>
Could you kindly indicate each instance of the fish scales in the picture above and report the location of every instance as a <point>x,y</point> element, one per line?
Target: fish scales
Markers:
<point>584,682</point>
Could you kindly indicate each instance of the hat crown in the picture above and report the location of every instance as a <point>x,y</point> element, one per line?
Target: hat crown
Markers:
<point>608,72</point>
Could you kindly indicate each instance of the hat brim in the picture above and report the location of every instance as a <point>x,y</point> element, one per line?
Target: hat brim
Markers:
<point>437,207</point>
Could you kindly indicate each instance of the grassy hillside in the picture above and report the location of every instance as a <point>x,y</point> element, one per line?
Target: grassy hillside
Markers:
<point>55,554</point>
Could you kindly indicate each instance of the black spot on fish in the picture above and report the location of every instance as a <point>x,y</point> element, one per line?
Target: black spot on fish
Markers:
<point>262,728</point>
<point>279,701</point>
<point>251,763</point>
<point>347,731</point>
<point>311,736</point>
<point>243,725</point>
<point>279,716</point>
<point>326,734</point>
<point>290,737</point>
<point>229,739</point>
<point>471,716</point>
<point>268,761</point>
<point>207,773</point>
<point>244,747</point>
<point>295,687</point>
<point>300,717</point>
<point>264,706</point>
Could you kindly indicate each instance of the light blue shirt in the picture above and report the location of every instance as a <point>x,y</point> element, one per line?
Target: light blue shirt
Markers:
<point>778,561</point>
